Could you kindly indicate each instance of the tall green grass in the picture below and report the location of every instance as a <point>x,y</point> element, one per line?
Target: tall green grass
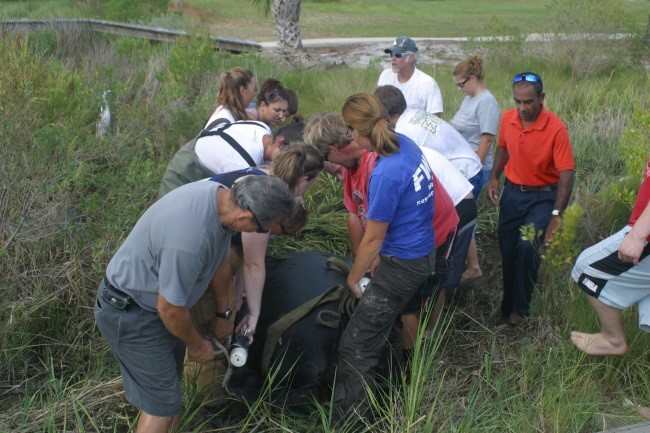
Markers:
<point>68,199</point>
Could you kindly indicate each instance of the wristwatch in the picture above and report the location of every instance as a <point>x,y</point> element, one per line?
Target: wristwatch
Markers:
<point>225,315</point>
<point>556,212</point>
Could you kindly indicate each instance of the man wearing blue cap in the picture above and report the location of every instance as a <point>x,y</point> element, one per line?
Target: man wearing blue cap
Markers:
<point>420,90</point>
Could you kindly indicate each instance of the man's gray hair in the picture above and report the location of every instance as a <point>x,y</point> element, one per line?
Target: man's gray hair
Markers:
<point>415,55</point>
<point>268,197</point>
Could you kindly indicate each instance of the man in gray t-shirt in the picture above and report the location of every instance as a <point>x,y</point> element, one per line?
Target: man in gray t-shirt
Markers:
<point>161,270</point>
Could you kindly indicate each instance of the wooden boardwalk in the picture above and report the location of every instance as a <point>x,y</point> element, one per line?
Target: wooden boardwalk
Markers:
<point>644,427</point>
<point>132,30</point>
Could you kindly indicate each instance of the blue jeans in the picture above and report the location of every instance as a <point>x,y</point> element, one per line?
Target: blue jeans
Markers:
<point>477,181</point>
<point>520,257</point>
<point>372,325</point>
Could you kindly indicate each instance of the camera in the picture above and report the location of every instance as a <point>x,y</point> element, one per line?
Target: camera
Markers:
<point>238,350</point>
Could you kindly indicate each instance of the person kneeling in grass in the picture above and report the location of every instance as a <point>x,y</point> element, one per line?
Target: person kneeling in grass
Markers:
<point>616,274</point>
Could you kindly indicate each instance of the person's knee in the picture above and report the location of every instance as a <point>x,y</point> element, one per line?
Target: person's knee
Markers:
<point>526,246</point>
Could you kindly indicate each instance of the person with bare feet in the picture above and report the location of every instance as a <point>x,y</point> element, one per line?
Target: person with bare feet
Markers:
<point>615,273</point>
<point>477,120</point>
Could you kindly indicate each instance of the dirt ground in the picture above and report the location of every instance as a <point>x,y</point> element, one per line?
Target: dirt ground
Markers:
<point>430,52</point>
<point>358,54</point>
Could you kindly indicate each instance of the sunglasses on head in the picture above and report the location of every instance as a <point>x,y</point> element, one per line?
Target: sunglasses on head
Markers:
<point>530,78</point>
<point>272,95</point>
<point>396,55</point>
<point>349,134</point>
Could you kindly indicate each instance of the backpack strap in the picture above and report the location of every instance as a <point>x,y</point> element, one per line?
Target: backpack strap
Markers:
<point>275,331</point>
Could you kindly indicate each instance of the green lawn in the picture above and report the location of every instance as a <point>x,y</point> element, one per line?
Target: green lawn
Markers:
<point>362,18</point>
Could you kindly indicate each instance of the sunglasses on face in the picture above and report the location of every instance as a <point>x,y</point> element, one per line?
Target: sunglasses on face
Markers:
<point>349,135</point>
<point>259,229</point>
<point>396,55</point>
<point>530,78</point>
<point>462,84</point>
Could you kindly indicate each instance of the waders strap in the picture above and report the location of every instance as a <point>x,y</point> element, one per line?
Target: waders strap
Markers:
<point>221,132</point>
<point>278,327</point>
<point>216,122</point>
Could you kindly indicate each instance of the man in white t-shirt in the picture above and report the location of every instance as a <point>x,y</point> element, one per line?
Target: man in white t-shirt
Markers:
<point>431,132</point>
<point>420,90</point>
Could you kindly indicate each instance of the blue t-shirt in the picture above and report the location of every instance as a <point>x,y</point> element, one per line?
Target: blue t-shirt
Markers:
<point>400,193</point>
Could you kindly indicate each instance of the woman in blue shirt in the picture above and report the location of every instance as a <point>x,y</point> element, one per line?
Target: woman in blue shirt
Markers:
<point>399,233</point>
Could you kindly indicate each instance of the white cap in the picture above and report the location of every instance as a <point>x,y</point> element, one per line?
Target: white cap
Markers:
<point>238,356</point>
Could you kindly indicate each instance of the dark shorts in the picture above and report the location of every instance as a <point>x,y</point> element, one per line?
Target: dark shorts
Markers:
<point>150,358</point>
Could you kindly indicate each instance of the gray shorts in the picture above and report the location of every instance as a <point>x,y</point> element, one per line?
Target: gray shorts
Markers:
<point>600,274</point>
<point>151,358</point>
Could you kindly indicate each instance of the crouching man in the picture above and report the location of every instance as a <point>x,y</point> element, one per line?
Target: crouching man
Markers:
<point>615,273</point>
<point>161,270</point>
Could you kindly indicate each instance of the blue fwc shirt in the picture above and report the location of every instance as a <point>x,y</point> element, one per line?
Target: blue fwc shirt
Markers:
<point>400,193</point>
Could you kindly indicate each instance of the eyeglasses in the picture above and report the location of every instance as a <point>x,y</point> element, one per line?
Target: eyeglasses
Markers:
<point>396,55</point>
<point>531,78</point>
<point>462,84</point>
<point>260,228</point>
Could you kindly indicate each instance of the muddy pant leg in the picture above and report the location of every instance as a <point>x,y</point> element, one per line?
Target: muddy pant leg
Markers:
<point>368,330</point>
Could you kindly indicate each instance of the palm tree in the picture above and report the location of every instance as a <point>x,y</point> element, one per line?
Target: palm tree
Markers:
<point>286,14</point>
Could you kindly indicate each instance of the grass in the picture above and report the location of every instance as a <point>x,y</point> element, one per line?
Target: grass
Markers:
<point>361,18</point>
<point>67,200</point>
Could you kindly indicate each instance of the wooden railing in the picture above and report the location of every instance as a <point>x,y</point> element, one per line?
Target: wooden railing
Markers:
<point>132,30</point>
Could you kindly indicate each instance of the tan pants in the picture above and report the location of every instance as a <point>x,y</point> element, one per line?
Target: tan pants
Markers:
<point>208,377</point>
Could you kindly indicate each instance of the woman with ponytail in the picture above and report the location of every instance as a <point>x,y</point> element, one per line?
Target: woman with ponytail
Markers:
<point>237,89</point>
<point>399,232</point>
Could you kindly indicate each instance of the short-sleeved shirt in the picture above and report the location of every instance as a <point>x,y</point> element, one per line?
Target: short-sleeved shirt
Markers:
<point>421,91</point>
<point>400,193</point>
<point>428,130</point>
<point>642,198</point>
<point>220,112</point>
<point>215,154</point>
<point>476,116</point>
<point>355,196</point>
<point>538,153</point>
<point>451,179</point>
<point>173,249</point>
<point>355,186</point>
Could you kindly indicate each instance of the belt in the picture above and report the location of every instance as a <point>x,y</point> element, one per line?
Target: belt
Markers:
<point>117,298</point>
<point>527,188</point>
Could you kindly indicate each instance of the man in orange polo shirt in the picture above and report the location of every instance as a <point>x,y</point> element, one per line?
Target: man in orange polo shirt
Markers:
<point>534,150</point>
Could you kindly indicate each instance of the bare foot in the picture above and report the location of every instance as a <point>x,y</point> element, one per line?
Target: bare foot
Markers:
<point>471,274</point>
<point>598,344</point>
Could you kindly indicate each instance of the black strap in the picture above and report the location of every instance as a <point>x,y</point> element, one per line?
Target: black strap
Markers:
<point>238,148</point>
<point>216,122</point>
<point>221,132</point>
